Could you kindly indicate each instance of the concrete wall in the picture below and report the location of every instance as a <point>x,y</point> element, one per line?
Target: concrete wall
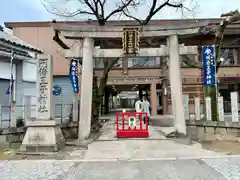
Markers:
<point>42,38</point>
<point>209,130</point>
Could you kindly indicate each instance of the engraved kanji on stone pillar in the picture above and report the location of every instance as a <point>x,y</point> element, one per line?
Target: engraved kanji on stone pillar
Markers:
<point>44,106</point>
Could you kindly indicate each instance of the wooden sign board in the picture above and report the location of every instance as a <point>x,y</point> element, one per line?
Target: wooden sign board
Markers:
<point>130,40</point>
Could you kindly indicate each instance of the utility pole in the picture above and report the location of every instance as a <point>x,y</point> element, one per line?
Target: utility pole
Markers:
<point>13,120</point>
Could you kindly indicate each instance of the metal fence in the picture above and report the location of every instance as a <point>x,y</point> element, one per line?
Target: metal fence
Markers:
<point>62,114</point>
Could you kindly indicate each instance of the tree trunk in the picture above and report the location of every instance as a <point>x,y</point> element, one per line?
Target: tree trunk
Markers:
<point>165,86</point>
<point>211,91</point>
<point>98,93</point>
<point>96,102</point>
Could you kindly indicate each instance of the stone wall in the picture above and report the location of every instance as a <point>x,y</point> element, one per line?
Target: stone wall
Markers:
<point>15,135</point>
<point>203,130</point>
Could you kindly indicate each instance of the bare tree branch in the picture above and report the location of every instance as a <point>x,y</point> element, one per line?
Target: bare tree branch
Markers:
<point>65,12</point>
<point>108,64</point>
<point>154,9</point>
<point>91,6</point>
<point>191,62</point>
<point>121,8</point>
<point>95,8</point>
<point>228,18</point>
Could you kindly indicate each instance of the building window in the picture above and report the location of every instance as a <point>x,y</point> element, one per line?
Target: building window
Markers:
<point>118,64</point>
<point>225,91</point>
<point>99,63</point>
<point>229,56</point>
<point>144,62</point>
<point>192,57</point>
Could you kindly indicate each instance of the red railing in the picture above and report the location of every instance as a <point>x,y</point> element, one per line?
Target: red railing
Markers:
<point>132,124</point>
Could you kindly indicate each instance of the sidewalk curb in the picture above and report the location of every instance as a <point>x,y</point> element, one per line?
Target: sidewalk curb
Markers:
<point>137,159</point>
<point>157,159</point>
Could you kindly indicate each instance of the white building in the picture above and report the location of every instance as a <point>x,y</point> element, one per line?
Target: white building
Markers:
<point>23,72</point>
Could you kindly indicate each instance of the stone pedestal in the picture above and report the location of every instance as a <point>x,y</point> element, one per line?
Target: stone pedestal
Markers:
<point>42,136</point>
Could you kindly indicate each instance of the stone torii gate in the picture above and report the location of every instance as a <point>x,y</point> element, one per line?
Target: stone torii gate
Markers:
<point>86,34</point>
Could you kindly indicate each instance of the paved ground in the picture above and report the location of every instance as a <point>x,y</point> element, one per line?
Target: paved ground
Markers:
<point>197,169</point>
<point>108,147</point>
<point>228,167</point>
<point>136,159</point>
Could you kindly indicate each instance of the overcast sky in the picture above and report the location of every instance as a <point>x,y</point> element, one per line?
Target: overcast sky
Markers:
<point>32,10</point>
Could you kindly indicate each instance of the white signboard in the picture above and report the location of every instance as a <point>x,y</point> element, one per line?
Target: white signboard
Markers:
<point>197,108</point>
<point>132,122</point>
<point>208,109</point>
<point>220,109</point>
<point>234,105</point>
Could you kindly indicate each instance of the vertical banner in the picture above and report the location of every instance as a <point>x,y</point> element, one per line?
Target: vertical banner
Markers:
<point>73,75</point>
<point>209,69</point>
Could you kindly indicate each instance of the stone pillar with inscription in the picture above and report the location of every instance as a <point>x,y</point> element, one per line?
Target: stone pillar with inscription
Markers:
<point>234,106</point>
<point>208,108</point>
<point>220,108</point>
<point>176,85</point>
<point>43,134</point>
<point>197,107</point>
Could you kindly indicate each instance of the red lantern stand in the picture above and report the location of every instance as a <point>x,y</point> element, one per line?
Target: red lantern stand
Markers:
<point>125,131</point>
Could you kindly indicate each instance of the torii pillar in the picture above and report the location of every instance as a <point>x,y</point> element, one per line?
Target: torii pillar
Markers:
<point>84,127</point>
<point>176,85</point>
